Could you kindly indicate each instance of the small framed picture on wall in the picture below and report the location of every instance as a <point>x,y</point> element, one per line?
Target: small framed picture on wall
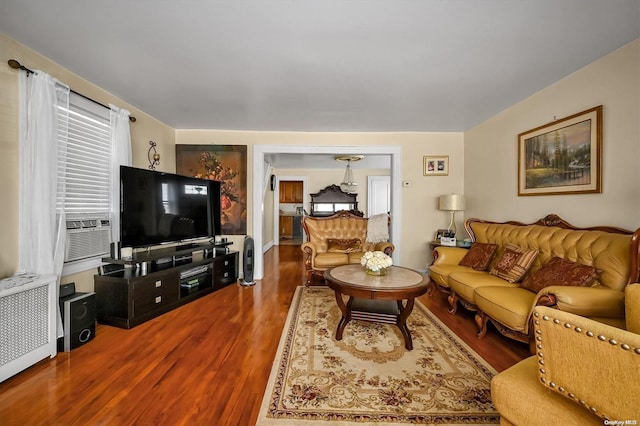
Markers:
<point>436,165</point>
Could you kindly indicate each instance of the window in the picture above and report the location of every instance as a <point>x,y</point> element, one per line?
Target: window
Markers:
<point>88,152</point>
<point>195,189</point>
<point>86,199</point>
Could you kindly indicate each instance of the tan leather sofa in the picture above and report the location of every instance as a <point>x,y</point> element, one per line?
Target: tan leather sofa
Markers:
<point>342,226</point>
<point>508,306</point>
<point>584,372</point>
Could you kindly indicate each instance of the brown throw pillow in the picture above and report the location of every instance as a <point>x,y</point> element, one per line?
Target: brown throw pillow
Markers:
<point>336,245</point>
<point>479,256</point>
<point>514,263</point>
<point>561,272</point>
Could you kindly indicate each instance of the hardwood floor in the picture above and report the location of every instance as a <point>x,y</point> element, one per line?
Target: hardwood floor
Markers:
<point>204,363</point>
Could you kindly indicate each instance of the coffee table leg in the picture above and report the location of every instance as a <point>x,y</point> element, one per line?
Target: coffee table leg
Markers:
<point>346,314</point>
<point>405,311</point>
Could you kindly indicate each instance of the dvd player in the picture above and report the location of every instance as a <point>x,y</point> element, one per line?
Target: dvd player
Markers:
<point>194,271</point>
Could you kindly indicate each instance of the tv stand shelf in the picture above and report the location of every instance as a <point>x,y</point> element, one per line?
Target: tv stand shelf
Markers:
<point>168,252</point>
<point>134,290</point>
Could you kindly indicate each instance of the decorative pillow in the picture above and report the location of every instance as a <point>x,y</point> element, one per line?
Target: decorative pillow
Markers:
<point>479,256</point>
<point>514,263</point>
<point>561,272</point>
<point>335,245</point>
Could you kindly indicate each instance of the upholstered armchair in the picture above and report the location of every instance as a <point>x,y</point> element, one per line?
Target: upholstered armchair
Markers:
<point>336,240</point>
<point>585,372</point>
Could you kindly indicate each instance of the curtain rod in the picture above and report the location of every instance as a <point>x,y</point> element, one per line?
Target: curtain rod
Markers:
<point>18,66</point>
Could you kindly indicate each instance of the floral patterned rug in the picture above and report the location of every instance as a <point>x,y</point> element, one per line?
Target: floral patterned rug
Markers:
<point>369,378</point>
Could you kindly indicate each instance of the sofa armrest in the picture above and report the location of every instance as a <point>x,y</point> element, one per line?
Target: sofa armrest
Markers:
<point>585,301</point>
<point>448,255</point>
<point>387,248</point>
<point>309,247</point>
<point>310,250</point>
<point>593,364</point>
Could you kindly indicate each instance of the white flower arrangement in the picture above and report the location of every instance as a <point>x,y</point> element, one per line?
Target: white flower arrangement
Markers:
<point>375,260</point>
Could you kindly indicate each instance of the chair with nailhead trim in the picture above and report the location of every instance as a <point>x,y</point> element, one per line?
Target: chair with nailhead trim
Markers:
<point>584,372</point>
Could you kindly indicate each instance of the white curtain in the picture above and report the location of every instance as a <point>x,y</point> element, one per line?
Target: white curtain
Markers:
<point>44,104</point>
<point>120,155</point>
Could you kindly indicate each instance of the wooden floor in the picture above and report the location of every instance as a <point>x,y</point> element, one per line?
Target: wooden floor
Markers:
<point>206,363</point>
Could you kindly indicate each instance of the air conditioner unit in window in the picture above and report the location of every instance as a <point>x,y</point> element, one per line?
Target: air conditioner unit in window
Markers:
<point>87,238</point>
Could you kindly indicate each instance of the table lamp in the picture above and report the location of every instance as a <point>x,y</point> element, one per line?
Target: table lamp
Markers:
<point>452,203</point>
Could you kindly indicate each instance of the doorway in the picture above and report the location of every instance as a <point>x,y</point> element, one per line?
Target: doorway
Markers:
<point>378,195</point>
<point>259,151</point>
<point>288,208</point>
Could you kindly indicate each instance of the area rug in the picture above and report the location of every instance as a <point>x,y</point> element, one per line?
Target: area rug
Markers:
<point>368,377</point>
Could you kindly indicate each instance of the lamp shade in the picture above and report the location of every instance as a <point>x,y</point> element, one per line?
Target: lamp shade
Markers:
<point>452,202</point>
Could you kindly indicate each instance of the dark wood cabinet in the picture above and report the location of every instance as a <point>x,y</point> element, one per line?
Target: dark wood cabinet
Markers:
<point>225,270</point>
<point>131,294</point>
<point>154,293</point>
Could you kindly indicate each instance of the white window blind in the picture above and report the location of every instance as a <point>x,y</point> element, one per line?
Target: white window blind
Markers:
<point>88,152</point>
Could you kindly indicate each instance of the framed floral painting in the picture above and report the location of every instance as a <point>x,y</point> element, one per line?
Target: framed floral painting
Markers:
<point>224,163</point>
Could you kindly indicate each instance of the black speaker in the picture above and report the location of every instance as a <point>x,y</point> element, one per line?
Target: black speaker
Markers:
<point>67,289</point>
<point>247,262</point>
<point>78,319</point>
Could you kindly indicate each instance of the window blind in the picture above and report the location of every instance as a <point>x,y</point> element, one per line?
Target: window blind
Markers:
<point>88,151</point>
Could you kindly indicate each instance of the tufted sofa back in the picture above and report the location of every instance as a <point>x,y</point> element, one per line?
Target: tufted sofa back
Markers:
<point>608,251</point>
<point>342,226</point>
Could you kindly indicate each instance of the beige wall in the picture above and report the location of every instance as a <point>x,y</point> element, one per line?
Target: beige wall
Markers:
<point>420,216</point>
<point>490,149</point>
<point>146,128</point>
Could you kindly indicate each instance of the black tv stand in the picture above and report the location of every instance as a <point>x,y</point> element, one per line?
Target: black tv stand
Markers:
<point>133,290</point>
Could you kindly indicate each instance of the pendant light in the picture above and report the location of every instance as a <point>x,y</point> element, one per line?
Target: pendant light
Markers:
<point>348,184</point>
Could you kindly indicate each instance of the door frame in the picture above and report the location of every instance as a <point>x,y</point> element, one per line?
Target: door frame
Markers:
<point>259,151</point>
<point>276,203</point>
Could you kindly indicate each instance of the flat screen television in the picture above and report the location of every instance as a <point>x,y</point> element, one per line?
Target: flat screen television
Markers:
<point>158,208</point>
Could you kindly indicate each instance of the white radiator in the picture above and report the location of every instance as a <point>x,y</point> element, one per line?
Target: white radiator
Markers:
<point>28,322</point>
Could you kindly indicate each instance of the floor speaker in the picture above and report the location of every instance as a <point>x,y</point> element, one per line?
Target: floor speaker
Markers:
<point>247,262</point>
<point>78,319</point>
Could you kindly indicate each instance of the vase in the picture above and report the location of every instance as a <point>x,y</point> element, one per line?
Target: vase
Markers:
<point>378,273</point>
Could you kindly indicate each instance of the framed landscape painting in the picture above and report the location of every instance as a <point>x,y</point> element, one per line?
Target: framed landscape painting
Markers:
<point>224,163</point>
<point>562,157</point>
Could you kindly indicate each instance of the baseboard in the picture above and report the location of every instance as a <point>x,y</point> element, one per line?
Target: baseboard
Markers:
<point>266,247</point>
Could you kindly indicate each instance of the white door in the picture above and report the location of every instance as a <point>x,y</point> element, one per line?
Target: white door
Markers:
<point>379,195</point>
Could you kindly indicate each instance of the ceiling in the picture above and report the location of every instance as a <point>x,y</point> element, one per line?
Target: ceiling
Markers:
<point>322,65</point>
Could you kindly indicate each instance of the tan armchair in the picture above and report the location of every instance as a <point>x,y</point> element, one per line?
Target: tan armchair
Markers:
<point>342,227</point>
<point>585,372</point>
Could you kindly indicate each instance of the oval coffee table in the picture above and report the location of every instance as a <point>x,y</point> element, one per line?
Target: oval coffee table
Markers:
<point>388,299</point>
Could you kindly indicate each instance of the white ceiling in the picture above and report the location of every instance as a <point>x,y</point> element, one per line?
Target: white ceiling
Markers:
<point>322,65</point>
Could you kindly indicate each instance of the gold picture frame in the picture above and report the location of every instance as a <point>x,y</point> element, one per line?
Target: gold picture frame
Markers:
<point>562,157</point>
<point>435,165</point>
<point>442,233</point>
